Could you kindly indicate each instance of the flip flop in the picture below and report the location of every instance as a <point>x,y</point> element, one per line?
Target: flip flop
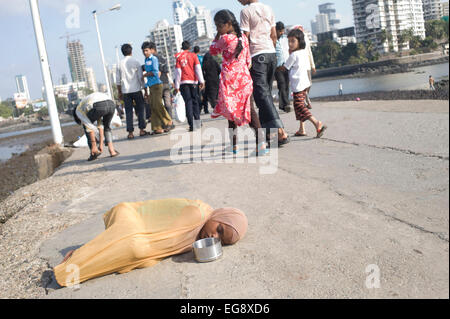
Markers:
<point>300,134</point>
<point>322,131</point>
<point>93,157</point>
<point>131,137</point>
<point>117,154</point>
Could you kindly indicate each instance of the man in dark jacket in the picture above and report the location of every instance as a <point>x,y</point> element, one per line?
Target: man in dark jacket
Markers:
<point>211,72</point>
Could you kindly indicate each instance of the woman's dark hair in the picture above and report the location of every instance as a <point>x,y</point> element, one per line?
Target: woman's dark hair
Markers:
<point>185,45</point>
<point>127,49</point>
<point>75,116</point>
<point>296,33</point>
<point>226,16</point>
<point>196,49</point>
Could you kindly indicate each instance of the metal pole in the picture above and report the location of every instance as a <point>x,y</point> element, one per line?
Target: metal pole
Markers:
<point>108,85</point>
<point>46,75</point>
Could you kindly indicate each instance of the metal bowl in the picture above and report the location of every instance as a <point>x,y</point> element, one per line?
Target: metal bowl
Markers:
<point>207,250</point>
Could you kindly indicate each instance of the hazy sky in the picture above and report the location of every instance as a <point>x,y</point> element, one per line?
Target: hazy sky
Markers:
<point>129,25</point>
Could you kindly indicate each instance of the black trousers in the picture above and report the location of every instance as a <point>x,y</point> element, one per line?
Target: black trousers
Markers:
<point>210,95</point>
<point>282,77</point>
<point>190,96</point>
<point>263,71</point>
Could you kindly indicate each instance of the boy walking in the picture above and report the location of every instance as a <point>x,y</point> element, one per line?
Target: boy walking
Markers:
<point>160,119</point>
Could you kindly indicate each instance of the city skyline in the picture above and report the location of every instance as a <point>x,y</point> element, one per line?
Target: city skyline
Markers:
<point>54,20</point>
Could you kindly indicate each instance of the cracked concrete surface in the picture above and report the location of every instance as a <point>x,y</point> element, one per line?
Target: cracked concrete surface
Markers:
<point>374,191</point>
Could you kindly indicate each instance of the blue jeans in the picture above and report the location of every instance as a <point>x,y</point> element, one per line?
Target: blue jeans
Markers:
<point>138,106</point>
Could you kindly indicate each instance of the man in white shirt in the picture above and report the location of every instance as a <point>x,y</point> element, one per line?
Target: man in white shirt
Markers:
<point>130,82</point>
<point>281,74</point>
<point>258,24</point>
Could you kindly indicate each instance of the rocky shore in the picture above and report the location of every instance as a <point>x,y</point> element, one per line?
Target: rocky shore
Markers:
<point>377,68</point>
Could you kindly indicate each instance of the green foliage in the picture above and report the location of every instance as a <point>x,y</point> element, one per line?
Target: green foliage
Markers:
<point>437,29</point>
<point>61,104</point>
<point>43,112</point>
<point>331,54</point>
<point>5,111</point>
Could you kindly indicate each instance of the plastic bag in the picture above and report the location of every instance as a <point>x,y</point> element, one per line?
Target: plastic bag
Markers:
<point>116,121</point>
<point>180,108</point>
<point>82,142</point>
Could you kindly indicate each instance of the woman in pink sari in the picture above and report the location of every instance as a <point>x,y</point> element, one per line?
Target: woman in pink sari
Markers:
<point>236,85</point>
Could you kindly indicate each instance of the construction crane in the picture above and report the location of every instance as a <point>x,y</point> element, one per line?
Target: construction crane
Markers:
<point>68,35</point>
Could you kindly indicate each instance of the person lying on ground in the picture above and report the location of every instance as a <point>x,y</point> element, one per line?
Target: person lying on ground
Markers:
<point>139,235</point>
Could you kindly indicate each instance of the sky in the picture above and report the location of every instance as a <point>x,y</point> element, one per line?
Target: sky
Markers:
<point>132,24</point>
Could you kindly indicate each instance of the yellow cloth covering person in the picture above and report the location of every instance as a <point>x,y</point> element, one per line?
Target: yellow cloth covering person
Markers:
<point>139,235</point>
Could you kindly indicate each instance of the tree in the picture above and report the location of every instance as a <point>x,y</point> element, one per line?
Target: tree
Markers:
<point>436,29</point>
<point>43,112</point>
<point>405,37</point>
<point>385,37</point>
<point>5,111</point>
<point>61,103</point>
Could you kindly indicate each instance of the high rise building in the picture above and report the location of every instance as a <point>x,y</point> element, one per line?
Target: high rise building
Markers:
<point>198,26</point>
<point>182,10</point>
<point>432,9</point>
<point>321,24</point>
<point>91,81</point>
<point>22,86</point>
<point>393,16</point>
<point>330,11</point>
<point>63,80</point>
<point>168,39</point>
<point>112,74</point>
<point>444,8</point>
<point>77,61</point>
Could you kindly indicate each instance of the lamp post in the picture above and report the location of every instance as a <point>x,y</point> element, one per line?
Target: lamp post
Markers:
<point>46,75</point>
<point>95,13</point>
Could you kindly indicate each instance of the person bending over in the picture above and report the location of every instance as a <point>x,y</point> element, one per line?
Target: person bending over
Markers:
<point>97,107</point>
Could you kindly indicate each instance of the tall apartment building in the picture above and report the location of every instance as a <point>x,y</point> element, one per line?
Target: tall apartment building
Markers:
<point>91,80</point>
<point>432,9</point>
<point>22,86</point>
<point>77,61</point>
<point>321,24</point>
<point>330,11</point>
<point>168,39</point>
<point>182,10</point>
<point>198,26</point>
<point>444,7</point>
<point>395,16</point>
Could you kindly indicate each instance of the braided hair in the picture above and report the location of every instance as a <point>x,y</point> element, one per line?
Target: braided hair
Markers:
<point>226,16</point>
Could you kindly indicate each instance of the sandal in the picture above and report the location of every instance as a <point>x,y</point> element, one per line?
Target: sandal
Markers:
<point>300,134</point>
<point>131,136</point>
<point>322,131</point>
<point>262,152</point>
<point>169,128</point>
<point>144,133</point>
<point>93,157</point>
<point>285,141</point>
<point>117,154</point>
